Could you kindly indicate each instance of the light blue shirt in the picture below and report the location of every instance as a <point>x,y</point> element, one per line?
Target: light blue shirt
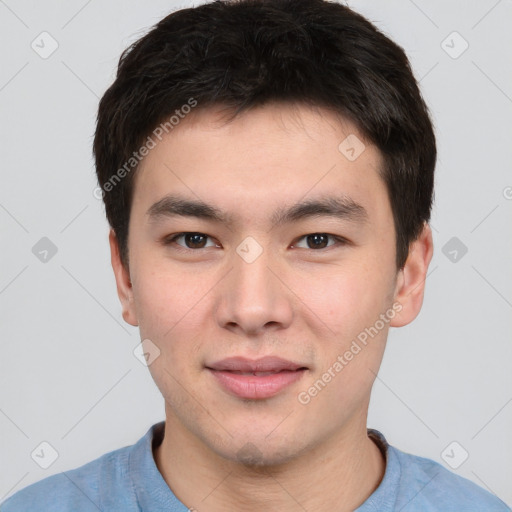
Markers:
<point>127,480</point>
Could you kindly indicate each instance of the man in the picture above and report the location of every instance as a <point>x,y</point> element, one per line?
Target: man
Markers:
<point>267,172</point>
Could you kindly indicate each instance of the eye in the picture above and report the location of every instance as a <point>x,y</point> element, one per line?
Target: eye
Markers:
<point>319,241</point>
<point>192,240</point>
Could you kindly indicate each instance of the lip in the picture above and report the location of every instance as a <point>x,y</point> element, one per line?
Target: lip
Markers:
<point>256,379</point>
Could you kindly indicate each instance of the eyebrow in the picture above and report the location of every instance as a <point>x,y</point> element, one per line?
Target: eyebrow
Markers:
<point>342,207</point>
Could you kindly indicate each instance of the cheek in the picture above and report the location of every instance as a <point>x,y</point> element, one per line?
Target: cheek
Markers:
<point>165,297</point>
<point>170,309</point>
<point>346,301</point>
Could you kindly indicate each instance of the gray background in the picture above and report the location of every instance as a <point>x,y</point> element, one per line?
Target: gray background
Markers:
<point>68,375</point>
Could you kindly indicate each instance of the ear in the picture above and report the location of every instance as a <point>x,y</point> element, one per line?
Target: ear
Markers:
<point>411,278</point>
<point>124,285</point>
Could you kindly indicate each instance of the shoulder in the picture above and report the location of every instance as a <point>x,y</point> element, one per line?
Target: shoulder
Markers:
<point>80,489</point>
<point>427,486</point>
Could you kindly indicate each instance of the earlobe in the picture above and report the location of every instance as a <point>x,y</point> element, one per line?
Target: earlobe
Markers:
<point>410,286</point>
<point>123,282</point>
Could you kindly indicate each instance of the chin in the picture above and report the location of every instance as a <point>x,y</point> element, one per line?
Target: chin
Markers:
<point>259,453</point>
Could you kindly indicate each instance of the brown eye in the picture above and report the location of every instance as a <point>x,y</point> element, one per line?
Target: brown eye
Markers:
<point>190,240</point>
<point>195,240</point>
<point>318,241</point>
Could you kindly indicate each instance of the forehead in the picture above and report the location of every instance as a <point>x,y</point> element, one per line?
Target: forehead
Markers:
<point>267,156</point>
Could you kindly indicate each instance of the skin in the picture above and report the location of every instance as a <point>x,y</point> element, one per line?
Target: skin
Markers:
<point>200,305</point>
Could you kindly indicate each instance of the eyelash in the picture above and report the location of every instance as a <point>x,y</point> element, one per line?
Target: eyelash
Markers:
<point>171,240</point>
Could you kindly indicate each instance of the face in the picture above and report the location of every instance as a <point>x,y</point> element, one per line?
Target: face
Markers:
<point>262,268</point>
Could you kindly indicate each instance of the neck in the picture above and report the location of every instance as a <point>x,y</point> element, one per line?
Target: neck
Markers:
<point>338,474</point>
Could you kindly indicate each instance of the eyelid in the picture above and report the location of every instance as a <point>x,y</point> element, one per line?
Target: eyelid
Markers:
<point>171,239</point>
<point>340,241</point>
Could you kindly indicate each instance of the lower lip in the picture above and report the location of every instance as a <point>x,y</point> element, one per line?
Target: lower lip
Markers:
<point>254,387</point>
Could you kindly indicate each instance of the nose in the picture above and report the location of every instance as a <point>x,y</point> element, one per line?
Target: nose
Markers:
<point>254,299</point>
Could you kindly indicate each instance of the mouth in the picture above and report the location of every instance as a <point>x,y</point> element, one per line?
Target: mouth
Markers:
<point>257,374</point>
<point>255,379</point>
